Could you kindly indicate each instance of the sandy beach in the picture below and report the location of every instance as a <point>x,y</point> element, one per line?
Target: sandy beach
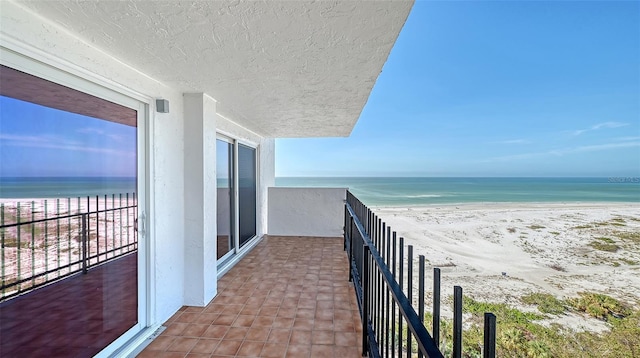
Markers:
<point>499,252</point>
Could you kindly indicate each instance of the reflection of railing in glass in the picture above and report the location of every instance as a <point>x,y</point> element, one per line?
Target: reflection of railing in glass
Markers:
<point>46,240</point>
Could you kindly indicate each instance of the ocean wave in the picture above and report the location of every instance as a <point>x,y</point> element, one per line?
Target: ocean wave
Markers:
<point>424,196</point>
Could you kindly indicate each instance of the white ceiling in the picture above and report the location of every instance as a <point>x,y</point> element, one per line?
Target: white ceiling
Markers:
<point>279,68</point>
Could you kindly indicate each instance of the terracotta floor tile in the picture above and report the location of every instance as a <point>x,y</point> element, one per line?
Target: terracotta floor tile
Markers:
<point>322,337</point>
<point>225,320</point>
<point>257,334</point>
<point>236,333</point>
<point>295,351</point>
<point>300,337</point>
<point>274,350</point>
<point>243,321</point>
<point>182,344</point>
<point>215,332</point>
<point>161,343</point>
<point>194,330</point>
<point>206,346</point>
<point>282,299</point>
<point>250,349</point>
<point>282,322</point>
<point>279,335</point>
<point>322,351</point>
<point>227,347</point>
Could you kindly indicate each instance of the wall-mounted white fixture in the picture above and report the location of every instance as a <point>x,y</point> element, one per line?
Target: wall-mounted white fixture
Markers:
<point>162,106</point>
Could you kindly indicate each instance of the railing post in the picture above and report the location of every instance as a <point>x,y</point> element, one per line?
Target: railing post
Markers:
<point>457,322</point>
<point>489,335</point>
<point>436,307</point>
<point>365,300</point>
<point>421,292</point>
<point>84,243</point>
<point>350,247</point>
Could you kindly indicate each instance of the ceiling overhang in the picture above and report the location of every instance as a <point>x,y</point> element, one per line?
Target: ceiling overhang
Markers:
<point>279,68</point>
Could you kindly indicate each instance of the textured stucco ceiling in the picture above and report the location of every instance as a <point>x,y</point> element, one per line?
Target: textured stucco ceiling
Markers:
<point>279,68</point>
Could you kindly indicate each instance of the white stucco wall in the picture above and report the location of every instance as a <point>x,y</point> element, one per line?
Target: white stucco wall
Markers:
<point>306,211</point>
<point>200,274</point>
<point>175,238</point>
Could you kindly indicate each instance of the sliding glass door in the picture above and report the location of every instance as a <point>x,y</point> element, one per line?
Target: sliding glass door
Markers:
<point>237,181</point>
<point>225,179</point>
<point>246,192</point>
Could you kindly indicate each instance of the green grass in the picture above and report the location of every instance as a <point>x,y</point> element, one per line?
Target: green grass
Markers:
<point>535,227</point>
<point>629,236</point>
<point>519,334</point>
<point>554,233</point>
<point>629,262</point>
<point>605,239</point>
<point>546,303</point>
<point>583,227</point>
<point>603,246</point>
<point>599,306</point>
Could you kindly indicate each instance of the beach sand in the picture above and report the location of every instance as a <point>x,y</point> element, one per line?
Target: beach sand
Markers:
<point>499,252</point>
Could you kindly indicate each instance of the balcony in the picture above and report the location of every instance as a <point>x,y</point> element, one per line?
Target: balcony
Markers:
<point>289,297</point>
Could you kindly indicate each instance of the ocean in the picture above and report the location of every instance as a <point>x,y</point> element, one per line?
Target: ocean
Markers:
<point>31,187</point>
<point>377,191</point>
<point>425,191</point>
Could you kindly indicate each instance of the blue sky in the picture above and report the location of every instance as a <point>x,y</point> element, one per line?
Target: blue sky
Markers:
<point>41,141</point>
<point>500,88</point>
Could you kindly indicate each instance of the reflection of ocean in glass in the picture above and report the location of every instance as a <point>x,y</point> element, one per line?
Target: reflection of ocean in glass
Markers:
<point>424,191</point>
<point>33,187</point>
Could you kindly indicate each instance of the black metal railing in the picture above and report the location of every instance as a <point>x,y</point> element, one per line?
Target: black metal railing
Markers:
<point>46,240</point>
<point>391,327</point>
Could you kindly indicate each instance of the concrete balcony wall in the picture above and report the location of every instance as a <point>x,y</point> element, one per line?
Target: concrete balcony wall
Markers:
<point>315,212</point>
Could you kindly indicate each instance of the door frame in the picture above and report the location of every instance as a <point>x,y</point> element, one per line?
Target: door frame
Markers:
<point>25,58</point>
<point>229,259</point>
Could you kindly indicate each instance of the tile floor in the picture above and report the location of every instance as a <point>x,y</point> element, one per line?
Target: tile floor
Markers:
<point>289,297</point>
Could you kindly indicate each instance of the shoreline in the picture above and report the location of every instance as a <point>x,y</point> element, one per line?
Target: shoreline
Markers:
<point>497,204</point>
<point>499,252</point>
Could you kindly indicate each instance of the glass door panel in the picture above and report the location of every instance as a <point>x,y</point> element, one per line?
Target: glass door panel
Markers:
<point>70,273</point>
<point>224,178</point>
<point>247,182</point>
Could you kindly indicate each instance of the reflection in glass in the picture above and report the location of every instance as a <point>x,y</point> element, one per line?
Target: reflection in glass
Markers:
<point>247,181</point>
<point>224,178</point>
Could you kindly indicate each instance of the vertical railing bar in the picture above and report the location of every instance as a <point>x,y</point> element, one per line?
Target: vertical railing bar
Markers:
<point>489,335</point>
<point>97,228</point>
<point>113,224</point>
<point>69,233</point>
<point>84,242</point>
<point>421,293</point>
<point>409,294</point>
<point>350,247</point>
<point>393,307</point>
<point>457,322</point>
<point>400,276</point>
<point>381,226</point>
<point>436,306</point>
<point>120,223</point>
<point>46,243</point>
<point>128,227</point>
<point>58,235</point>
<point>33,249</point>
<point>2,246</point>
<point>106,228</point>
<point>365,299</point>
<point>387,295</point>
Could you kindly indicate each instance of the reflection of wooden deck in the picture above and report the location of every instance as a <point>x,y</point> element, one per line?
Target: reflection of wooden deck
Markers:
<point>75,317</point>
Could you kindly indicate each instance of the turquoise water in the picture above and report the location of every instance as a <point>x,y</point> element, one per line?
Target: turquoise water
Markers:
<point>425,191</point>
<point>14,187</point>
<point>378,191</point>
